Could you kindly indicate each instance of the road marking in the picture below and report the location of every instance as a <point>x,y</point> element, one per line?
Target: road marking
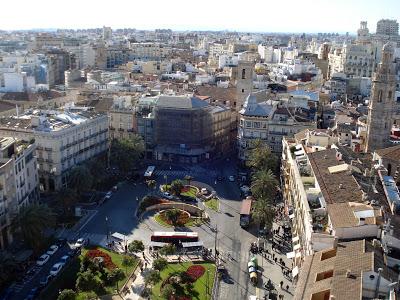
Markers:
<point>87,221</point>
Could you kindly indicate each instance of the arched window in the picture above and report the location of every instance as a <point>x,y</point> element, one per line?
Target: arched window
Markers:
<point>243,73</point>
<point>390,95</point>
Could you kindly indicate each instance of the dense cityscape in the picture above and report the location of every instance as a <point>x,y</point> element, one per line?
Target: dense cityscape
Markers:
<point>165,164</point>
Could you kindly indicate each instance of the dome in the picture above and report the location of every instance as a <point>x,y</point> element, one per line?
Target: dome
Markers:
<point>388,47</point>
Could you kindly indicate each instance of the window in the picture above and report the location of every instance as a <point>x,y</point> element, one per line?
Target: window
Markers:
<point>324,275</point>
<point>380,96</point>
<point>243,73</point>
<point>242,90</point>
<point>390,95</point>
<point>257,124</point>
<point>328,254</point>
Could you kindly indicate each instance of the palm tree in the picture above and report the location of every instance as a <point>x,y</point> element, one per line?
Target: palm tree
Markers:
<point>261,157</point>
<point>31,222</point>
<point>264,184</point>
<point>173,215</point>
<point>125,153</point>
<point>263,212</point>
<point>151,184</point>
<point>97,168</point>
<point>80,179</point>
<point>67,198</point>
<point>188,178</point>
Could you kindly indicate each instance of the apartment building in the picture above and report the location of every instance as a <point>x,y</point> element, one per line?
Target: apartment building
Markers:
<point>327,196</point>
<point>271,120</point>
<point>63,139</point>
<point>19,182</point>
<point>349,270</point>
<point>149,51</point>
<point>387,27</point>
<point>122,121</point>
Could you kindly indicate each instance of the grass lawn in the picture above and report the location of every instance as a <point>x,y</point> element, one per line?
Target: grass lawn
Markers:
<point>68,276</point>
<point>199,286</point>
<point>191,192</point>
<point>213,204</point>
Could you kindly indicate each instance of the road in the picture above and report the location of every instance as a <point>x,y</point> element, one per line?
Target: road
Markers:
<point>118,215</point>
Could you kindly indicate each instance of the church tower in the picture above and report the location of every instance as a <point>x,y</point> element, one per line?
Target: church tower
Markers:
<point>244,82</point>
<point>381,104</point>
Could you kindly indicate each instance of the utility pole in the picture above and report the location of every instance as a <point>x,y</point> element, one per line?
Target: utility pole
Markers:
<point>215,244</point>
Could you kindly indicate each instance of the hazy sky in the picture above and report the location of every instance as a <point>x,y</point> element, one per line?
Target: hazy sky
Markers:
<point>256,15</point>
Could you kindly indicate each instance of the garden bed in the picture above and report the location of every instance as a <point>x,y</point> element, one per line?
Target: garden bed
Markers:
<point>185,220</point>
<point>201,275</point>
<point>213,204</point>
<point>189,191</point>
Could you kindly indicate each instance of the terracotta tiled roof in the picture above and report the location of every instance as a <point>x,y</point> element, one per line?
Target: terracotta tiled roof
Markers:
<point>392,153</point>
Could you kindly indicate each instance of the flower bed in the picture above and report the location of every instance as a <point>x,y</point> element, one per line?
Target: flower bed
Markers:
<point>195,272</point>
<point>107,261</point>
<point>183,218</point>
<point>150,201</point>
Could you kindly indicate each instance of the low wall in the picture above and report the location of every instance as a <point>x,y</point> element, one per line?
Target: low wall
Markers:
<point>192,209</point>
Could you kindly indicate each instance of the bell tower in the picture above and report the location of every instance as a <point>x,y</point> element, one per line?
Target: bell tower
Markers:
<point>382,103</point>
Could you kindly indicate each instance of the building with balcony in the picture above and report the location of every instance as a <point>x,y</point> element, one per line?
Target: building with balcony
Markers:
<point>19,182</point>
<point>326,199</point>
<point>63,139</point>
<point>271,120</point>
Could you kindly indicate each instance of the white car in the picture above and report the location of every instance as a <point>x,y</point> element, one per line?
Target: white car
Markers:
<point>231,178</point>
<point>43,259</point>
<point>168,195</point>
<point>244,188</point>
<point>53,249</point>
<point>56,269</point>
<point>80,242</point>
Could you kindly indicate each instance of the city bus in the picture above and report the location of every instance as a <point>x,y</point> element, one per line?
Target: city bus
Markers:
<point>175,237</point>
<point>245,212</point>
<point>149,172</point>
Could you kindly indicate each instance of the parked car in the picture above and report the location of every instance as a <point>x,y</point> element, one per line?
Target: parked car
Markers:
<point>168,195</point>
<point>42,259</point>
<point>231,178</point>
<point>74,252</point>
<point>61,242</point>
<point>115,188</point>
<point>64,259</point>
<point>53,249</point>
<point>32,294</point>
<point>80,242</point>
<point>45,280</point>
<point>56,269</point>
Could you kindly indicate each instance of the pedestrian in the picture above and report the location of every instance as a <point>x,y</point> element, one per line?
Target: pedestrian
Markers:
<point>287,287</point>
<point>276,260</point>
<point>145,265</point>
<point>281,283</point>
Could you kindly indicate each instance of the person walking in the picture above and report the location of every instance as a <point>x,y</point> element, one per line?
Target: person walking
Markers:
<point>281,284</point>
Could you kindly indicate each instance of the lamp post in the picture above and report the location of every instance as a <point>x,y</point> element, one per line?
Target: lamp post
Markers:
<point>107,229</point>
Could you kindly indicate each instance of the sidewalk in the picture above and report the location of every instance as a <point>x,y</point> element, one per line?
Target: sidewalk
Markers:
<point>137,286</point>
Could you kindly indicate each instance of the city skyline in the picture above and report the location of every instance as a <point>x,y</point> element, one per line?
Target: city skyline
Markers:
<point>344,16</point>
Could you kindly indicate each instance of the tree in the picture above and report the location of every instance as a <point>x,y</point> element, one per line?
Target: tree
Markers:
<point>188,178</point>
<point>176,187</point>
<point>97,168</point>
<point>169,249</point>
<point>173,216</point>
<point>263,212</point>
<point>67,295</point>
<point>67,198</point>
<point>261,157</point>
<point>87,281</point>
<point>8,268</point>
<point>135,246</point>
<point>160,264</point>
<point>152,277</point>
<point>167,291</point>
<point>80,179</point>
<point>115,275</point>
<point>128,261</point>
<point>151,184</point>
<point>125,153</point>
<point>31,222</point>
<point>264,184</point>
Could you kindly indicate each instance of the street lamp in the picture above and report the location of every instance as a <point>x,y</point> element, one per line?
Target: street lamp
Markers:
<point>107,229</point>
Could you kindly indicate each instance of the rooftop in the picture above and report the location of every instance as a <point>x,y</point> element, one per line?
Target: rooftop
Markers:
<point>181,102</point>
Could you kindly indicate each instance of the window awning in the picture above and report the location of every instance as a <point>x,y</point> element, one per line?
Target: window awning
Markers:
<point>291,216</point>
<point>296,247</point>
<point>157,244</point>
<point>295,271</point>
<point>290,255</point>
<point>295,239</point>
